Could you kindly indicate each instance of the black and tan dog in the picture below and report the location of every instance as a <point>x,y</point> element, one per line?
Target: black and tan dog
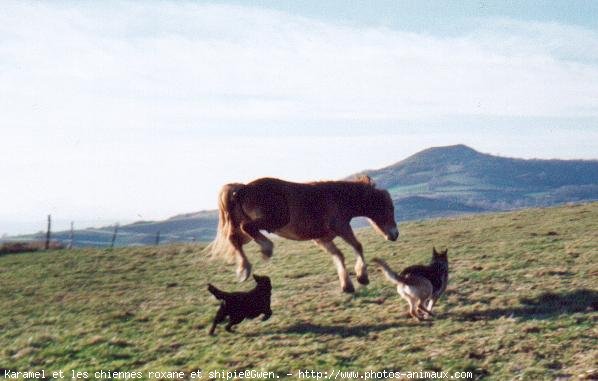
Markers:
<point>436,272</point>
<point>420,285</point>
<point>416,290</point>
<point>238,306</point>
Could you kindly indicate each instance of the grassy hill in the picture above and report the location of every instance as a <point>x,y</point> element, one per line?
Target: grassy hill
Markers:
<point>521,304</point>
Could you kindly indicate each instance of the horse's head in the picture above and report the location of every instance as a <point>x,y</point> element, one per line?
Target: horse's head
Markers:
<point>382,214</point>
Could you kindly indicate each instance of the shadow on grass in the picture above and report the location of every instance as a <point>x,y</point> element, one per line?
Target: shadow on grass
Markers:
<point>543,306</point>
<point>338,330</point>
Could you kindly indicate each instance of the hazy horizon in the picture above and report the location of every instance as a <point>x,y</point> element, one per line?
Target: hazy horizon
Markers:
<point>124,111</point>
<point>62,224</point>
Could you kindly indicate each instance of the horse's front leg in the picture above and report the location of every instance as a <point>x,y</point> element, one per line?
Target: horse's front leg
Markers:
<point>360,267</point>
<point>339,262</point>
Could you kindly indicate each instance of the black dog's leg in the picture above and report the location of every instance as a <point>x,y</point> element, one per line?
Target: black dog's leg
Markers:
<point>219,318</point>
<point>267,314</point>
<point>234,320</point>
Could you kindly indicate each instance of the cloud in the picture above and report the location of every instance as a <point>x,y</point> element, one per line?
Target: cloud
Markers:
<point>113,65</point>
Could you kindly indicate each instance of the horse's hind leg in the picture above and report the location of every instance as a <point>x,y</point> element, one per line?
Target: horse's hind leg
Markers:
<point>243,265</point>
<point>360,267</point>
<point>339,262</point>
<point>252,228</point>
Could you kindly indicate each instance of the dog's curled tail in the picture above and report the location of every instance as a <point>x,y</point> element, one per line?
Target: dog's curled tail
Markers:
<point>390,275</point>
<point>216,292</point>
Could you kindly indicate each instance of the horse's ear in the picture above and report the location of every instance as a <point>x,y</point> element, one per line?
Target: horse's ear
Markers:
<point>365,179</point>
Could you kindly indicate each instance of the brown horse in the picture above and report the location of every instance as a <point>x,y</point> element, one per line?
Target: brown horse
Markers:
<point>319,211</point>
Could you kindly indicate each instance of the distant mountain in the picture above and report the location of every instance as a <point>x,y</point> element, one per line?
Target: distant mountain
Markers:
<point>457,179</point>
<point>436,182</point>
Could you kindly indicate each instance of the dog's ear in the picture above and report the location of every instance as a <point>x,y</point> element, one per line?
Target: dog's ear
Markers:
<point>434,252</point>
<point>445,252</point>
<point>256,277</point>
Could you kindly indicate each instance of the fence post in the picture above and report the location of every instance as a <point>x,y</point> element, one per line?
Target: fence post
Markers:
<point>71,236</point>
<point>158,238</point>
<point>47,246</point>
<point>114,236</point>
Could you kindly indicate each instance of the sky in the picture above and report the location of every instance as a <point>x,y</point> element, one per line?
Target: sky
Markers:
<point>117,111</point>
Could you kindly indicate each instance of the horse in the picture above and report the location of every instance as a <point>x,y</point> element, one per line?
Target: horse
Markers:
<point>318,211</point>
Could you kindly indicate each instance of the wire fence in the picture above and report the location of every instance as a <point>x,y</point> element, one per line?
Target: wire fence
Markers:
<point>107,237</point>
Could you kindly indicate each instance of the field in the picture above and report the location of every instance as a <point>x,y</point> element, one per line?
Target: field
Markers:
<point>522,303</point>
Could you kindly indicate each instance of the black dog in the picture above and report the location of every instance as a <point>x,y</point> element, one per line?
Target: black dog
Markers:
<point>243,305</point>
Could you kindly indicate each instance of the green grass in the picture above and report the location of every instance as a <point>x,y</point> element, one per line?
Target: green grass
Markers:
<point>521,304</point>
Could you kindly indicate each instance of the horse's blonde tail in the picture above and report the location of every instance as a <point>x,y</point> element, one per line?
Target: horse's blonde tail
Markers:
<point>228,224</point>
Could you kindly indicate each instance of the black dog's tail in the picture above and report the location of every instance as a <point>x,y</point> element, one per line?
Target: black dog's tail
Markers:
<point>216,292</point>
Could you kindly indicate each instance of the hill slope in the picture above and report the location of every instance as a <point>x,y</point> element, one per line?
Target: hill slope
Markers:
<point>521,304</point>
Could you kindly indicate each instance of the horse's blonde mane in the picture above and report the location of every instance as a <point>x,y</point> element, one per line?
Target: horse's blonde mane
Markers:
<point>365,179</point>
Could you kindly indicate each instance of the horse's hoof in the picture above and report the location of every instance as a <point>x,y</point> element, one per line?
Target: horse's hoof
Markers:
<point>243,273</point>
<point>266,253</point>
<point>363,279</point>
<point>348,288</point>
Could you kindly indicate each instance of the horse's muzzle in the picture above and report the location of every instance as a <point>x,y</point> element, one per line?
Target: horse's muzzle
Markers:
<point>393,234</point>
